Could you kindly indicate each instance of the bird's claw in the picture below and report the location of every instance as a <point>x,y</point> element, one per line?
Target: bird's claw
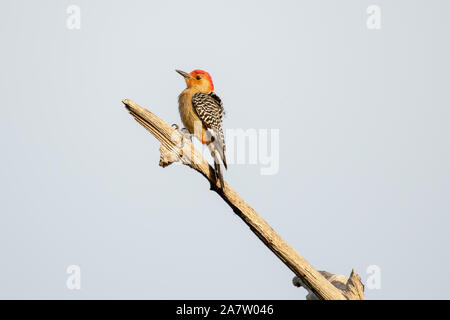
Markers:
<point>186,133</point>
<point>182,131</point>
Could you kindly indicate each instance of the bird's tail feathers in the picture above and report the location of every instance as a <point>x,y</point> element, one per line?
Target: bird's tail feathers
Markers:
<point>219,175</point>
<point>218,160</point>
<point>217,144</point>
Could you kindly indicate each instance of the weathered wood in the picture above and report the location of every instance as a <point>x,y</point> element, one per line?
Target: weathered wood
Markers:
<point>352,287</point>
<point>174,147</point>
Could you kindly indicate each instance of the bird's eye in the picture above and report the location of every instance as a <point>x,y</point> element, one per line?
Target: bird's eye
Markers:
<point>198,78</point>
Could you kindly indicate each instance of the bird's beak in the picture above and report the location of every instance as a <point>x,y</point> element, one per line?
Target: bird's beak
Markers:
<point>184,74</point>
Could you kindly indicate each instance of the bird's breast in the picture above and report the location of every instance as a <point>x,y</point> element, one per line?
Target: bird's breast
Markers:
<point>187,113</point>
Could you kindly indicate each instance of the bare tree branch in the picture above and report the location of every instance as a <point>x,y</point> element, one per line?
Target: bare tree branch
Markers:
<point>174,147</point>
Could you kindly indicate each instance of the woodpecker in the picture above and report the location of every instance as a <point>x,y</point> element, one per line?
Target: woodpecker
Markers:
<point>201,112</point>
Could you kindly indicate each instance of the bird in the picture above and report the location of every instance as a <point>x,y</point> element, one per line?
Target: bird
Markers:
<point>201,111</point>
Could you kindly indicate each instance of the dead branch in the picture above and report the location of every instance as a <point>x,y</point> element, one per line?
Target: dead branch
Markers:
<point>174,147</point>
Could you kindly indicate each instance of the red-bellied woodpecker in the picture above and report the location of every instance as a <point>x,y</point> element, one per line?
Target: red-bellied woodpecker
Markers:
<point>201,112</point>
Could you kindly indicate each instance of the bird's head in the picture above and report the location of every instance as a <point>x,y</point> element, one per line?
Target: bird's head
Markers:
<point>198,79</point>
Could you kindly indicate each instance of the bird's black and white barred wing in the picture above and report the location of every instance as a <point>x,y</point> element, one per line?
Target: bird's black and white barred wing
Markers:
<point>209,109</point>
